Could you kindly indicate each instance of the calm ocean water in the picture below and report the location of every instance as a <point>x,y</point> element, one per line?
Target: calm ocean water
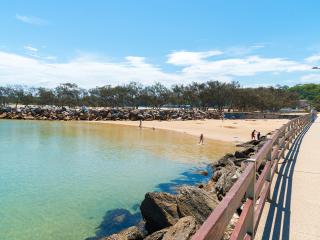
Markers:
<point>65,180</point>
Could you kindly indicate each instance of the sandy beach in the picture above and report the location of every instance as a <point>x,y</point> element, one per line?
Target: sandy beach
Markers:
<point>236,131</point>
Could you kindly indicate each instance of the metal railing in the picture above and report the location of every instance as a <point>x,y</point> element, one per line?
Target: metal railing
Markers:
<point>254,191</point>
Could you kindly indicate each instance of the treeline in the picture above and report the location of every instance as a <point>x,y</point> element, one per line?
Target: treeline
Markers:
<point>200,95</point>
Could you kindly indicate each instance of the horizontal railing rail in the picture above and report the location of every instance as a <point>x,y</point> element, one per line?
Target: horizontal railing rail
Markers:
<point>253,191</point>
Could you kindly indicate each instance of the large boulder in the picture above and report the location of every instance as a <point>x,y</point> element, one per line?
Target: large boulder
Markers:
<point>3,115</point>
<point>131,233</point>
<point>158,235</point>
<point>159,210</point>
<point>196,202</point>
<point>243,154</point>
<point>227,177</point>
<point>202,172</point>
<point>184,229</point>
<point>226,160</point>
<point>84,116</point>
<point>249,144</point>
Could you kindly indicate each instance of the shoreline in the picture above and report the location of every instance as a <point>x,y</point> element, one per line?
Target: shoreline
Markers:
<point>235,131</point>
<point>187,216</point>
<point>236,126</point>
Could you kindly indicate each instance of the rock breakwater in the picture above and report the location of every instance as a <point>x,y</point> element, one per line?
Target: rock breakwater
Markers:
<point>102,114</point>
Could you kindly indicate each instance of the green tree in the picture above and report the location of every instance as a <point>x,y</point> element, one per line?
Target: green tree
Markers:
<point>68,94</point>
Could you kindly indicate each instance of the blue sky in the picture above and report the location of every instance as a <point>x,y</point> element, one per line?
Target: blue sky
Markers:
<point>91,43</point>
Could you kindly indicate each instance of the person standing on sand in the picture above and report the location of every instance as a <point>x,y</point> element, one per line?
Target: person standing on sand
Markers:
<point>253,135</point>
<point>140,125</point>
<point>201,139</point>
<point>258,136</point>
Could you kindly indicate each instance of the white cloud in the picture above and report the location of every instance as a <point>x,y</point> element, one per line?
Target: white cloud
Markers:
<point>247,66</point>
<point>182,58</point>
<point>137,61</point>
<point>84,71</point>
<point>313,58</point>
<point>31,20</point>
<point>89,71</point>
<point>30,48</point>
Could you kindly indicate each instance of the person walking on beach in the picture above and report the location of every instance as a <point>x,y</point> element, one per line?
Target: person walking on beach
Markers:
<point>253,135</point>
<point>140,125</point>
<point>201,139</point>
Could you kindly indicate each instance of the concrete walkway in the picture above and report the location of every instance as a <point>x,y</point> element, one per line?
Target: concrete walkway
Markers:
<point>294,211</point>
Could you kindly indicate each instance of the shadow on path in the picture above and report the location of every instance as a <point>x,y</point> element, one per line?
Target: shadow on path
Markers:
<point>278,217</point>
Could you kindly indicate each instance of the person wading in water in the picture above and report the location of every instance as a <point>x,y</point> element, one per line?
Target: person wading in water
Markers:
<point>201,139</point>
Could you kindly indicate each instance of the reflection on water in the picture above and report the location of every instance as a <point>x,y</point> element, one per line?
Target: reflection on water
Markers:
<point>116,220</point>
<point>64,180</point>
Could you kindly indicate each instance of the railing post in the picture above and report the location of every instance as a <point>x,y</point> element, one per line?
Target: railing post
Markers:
<point>293,136</point>
<point>251,195</point>
<point>268,177</point>
<point>281,135</point>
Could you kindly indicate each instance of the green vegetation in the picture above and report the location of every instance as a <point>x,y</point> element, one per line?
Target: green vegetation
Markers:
<point>201,95</point>
<point>310,92</point>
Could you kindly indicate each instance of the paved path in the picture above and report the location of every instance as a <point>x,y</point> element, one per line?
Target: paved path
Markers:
<point>294,212</point>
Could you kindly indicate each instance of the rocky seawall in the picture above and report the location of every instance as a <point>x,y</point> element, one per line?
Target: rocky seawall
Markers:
<point>120,114</point>
<point>178,216</point>
<point>116,114</point>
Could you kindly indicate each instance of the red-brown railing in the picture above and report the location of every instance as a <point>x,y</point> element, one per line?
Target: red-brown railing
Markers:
<point>255,192</point>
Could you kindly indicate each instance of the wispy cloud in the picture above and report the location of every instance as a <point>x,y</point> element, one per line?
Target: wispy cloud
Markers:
<point>88,71</point>
<point>243,50</point>
<point>31,20</point>
<point>310,78</point>
<point>36,53</point>
<point>30,48</point>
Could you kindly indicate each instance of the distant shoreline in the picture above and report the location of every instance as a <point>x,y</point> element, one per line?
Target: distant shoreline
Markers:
<point>236,126</point>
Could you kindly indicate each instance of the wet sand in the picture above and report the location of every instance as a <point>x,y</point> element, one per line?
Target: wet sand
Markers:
<point>236,131</point>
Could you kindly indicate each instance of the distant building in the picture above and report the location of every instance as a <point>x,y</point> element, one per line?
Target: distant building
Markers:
<point>304,104</point>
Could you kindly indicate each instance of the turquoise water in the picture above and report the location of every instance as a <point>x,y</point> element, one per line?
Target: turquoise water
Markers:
<point>59,179</point>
